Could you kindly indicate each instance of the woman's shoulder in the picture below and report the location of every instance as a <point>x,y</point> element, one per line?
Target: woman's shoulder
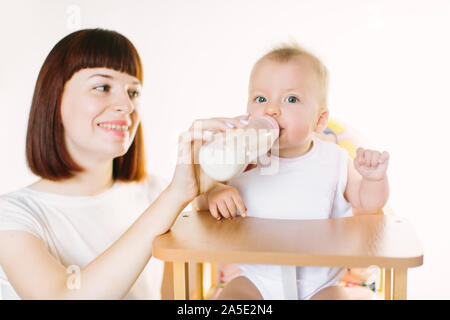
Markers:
<point>16,198</point>
<point>18,213</point>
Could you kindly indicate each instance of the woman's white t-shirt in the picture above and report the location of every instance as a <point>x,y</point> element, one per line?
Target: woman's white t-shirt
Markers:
<point>77,229</point>
<point>308,187</point>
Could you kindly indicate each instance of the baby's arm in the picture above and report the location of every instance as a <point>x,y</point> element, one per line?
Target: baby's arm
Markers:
<point>200,203</point>
<point>367,183</point>
<point>222,201</point>
<point>203,203</point>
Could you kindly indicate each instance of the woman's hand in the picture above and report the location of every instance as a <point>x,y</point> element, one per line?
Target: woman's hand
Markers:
<point>371,164</point>
<point>186,180</point>
<point>224,201</point>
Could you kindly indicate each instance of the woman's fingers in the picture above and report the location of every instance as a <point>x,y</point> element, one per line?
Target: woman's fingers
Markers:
<point>243,117</point>
<point>202,130</point>
<point>238,122</point>
<point>212,125</point>
<point>219,124</point>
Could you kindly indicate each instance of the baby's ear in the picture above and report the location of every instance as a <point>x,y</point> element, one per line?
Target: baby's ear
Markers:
<point>322,122</point>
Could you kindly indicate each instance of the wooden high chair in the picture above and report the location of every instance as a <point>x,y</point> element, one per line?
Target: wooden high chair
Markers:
<point>203,273</point>
<point>355,242</point>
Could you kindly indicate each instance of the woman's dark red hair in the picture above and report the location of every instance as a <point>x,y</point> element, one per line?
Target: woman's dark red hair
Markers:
<point>47,155</point>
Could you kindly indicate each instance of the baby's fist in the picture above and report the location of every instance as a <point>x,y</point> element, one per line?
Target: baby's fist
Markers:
<point>371,164</point>
<point>225,201</point>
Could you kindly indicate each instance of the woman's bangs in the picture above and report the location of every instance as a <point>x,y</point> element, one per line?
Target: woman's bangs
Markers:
<point>97,50</point>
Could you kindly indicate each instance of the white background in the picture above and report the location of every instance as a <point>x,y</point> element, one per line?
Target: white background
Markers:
<point>389,63</point>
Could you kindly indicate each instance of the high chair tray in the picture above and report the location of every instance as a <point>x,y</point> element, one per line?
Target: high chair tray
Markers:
<point>359,241</point>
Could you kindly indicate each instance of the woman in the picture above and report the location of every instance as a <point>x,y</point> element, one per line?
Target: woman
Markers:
<point>85,229</point>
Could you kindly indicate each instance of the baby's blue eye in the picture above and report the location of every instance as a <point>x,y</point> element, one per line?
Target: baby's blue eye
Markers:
<point>260,99</point>
<point>292,99</point>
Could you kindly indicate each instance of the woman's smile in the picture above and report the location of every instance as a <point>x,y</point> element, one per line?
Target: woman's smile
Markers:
<point>118,128</point>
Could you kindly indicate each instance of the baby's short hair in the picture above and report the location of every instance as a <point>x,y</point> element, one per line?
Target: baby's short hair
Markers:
<point>286,52</point>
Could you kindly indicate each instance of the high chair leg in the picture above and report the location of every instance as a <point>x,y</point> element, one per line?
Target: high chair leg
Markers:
<point>400,276</point>
<point>181,280</point>
<point>199,281</point>
<point>387,284</point>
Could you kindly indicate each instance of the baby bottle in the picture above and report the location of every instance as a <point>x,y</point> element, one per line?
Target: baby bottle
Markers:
<point>228,153</point>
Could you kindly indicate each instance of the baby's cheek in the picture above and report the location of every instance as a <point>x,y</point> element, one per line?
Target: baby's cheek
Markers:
<point>297,131</point>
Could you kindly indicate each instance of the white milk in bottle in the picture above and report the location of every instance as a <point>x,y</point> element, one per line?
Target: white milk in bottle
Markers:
<point>228,153</point>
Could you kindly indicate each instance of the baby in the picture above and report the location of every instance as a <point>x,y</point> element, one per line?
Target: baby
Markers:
<point>315,179</point>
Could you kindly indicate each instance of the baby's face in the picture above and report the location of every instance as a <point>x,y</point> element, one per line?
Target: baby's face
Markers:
<point>290,93</point>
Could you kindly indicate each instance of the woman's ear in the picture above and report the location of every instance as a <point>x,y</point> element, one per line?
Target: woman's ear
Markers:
<point>322,122</point>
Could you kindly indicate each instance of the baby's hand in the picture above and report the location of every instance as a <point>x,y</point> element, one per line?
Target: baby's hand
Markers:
<point>371,164</point>
<point>224,201</point>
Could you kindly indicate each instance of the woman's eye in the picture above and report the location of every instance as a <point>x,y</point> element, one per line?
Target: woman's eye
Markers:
<point>133,93</point>
<point>260,99</point>
<point>104,88</point>
<point>292,99</point>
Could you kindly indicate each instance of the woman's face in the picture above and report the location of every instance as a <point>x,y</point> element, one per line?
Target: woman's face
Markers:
<point>100,113</point>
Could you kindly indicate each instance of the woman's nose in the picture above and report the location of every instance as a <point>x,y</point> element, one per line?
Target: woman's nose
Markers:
<point>272,110</point>
<point>123,104</point>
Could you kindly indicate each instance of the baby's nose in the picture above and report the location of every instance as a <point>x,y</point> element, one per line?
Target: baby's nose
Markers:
<point>272,110</point>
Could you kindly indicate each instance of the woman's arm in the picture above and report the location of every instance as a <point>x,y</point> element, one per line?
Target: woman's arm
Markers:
<point>38,275</point>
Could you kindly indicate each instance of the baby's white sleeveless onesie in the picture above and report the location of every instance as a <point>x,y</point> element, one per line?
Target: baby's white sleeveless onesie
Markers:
<point>308,187</point>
